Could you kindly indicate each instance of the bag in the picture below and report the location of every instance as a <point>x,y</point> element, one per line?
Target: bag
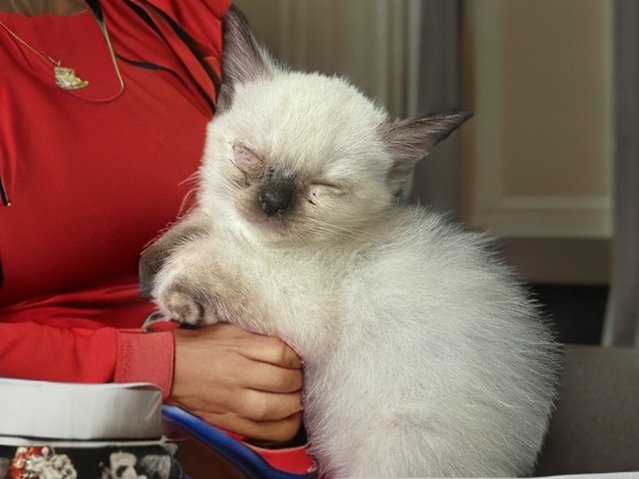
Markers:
<point>68,431</point>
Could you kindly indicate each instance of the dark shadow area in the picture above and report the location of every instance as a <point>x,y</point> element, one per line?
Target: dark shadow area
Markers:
<point>577,312</point>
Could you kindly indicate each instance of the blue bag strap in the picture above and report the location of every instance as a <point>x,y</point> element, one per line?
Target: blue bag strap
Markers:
<point>247,461</point>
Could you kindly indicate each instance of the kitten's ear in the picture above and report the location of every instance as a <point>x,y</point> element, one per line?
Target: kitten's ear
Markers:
<point>410,140</point>
<point>242,61</point>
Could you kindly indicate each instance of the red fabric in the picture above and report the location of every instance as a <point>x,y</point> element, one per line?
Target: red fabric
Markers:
<point>92,179</point>
<point>135,347</point>
<point>294,460</point>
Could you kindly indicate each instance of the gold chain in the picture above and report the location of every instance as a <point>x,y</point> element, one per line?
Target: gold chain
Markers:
<point>65,77</point>
<point>15,35</point>
<point>107,37</point>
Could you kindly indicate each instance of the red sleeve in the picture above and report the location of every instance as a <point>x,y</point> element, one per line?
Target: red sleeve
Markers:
<point>86,354</point>
<point>145,357</point>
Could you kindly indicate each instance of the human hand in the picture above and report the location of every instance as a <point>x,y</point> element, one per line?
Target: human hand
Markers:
<point>242,382</point>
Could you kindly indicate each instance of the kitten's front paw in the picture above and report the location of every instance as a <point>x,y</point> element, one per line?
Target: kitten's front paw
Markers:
<point>185,306</point>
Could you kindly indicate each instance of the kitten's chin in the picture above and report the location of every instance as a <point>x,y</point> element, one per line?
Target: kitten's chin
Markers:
<point>263,225</point>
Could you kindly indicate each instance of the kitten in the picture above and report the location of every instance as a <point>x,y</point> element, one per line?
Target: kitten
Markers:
<point>423,356</point>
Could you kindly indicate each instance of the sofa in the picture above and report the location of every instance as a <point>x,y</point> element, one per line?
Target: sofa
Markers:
<point>595,427</point>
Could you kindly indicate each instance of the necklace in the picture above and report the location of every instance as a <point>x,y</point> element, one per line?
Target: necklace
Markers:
<point>66,78</point>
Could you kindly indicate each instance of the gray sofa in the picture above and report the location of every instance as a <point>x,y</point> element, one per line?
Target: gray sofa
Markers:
<point>595,427</point>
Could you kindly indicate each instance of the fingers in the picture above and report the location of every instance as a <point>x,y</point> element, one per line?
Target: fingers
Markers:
<point>268,378</point>
<point>275,431</point>
<point>257,347</point>
<point>273,351</point>
<point>254,414</point>
<point>261,406</point>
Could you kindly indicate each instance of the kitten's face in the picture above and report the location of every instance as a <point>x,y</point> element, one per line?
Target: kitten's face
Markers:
<point>303,157</point>
<point>298,157</point>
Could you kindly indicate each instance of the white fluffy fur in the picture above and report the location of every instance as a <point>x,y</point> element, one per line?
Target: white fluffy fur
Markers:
<point>423,356</point>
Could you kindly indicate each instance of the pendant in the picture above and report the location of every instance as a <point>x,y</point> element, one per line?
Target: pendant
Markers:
<point>66,79</point>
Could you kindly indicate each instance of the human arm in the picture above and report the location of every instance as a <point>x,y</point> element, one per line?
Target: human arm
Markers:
<point>73,350</point>
<point>245,383</point>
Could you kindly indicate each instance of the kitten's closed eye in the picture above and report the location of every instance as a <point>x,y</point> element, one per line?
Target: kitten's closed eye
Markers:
<point>328,187</point>
<point>246,160</point>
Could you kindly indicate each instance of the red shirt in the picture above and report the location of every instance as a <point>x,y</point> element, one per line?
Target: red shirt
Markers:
<point>92,176</point>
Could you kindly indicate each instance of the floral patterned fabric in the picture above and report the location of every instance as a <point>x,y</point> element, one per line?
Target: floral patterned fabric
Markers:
<point>47,462</point>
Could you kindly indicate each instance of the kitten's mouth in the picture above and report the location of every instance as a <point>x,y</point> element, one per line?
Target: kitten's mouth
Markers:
<point>270,223</point>
<point>259,219</point>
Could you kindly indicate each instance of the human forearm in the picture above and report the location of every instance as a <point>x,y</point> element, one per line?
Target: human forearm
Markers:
<point>90,354</point>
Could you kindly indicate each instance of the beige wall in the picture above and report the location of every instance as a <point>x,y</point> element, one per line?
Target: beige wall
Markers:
<point>539,149</point>
<point>364,40</point>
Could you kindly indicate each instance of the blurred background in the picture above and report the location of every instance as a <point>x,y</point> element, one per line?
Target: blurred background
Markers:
<point>548,163</point>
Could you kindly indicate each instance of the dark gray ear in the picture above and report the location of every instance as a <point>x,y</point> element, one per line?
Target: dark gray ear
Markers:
<point>410,140</point>
<point>242,59</point>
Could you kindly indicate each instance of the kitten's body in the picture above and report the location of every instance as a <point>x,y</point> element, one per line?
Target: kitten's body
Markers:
<point>423,357</point>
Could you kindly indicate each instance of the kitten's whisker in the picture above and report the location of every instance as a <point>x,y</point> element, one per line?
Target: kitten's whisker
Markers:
<point>192,178</point>
<point>187,203</point>
<point>349,232</point>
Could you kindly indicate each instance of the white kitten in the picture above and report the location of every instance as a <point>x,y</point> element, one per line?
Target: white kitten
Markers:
<point>423,356</point>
